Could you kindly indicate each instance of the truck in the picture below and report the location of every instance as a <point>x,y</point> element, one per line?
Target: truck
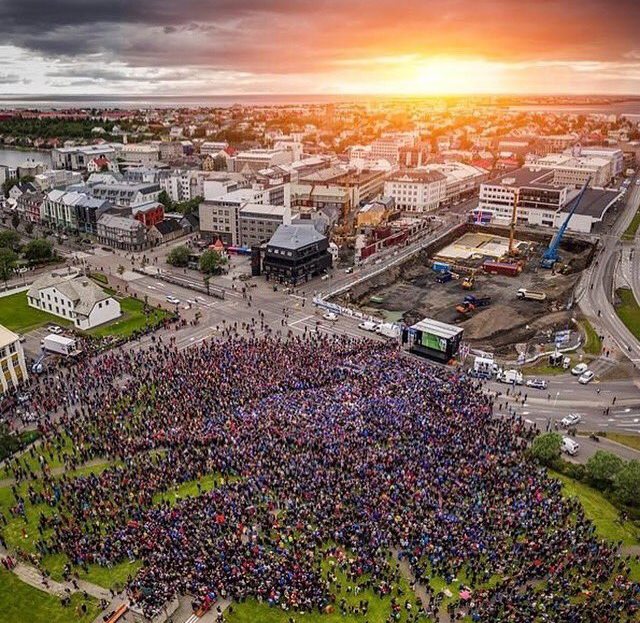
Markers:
<point>511,269</point>
<point>468,282</point>
<point>444,277</point>
<point>472,302</point>
<point>513,377</point>
<point>530,295</point>
<point>60,345</point>
<point>440,267</point>
<point>388,329</point>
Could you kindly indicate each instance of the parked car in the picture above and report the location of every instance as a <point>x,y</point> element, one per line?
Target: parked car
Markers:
<point>537,383</point>
<point>173,300</point>
<point>570,446</point>
<point>54,328</point>
<point>581,368</point>
<point>586,377</point>
<point>571,420</point>
<point>330,316</point>
<point>349,270</point>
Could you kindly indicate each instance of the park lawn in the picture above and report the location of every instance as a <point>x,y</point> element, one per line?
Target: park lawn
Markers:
<point>132,319</point>
<point>593,343</point>
<point>599,510</point>
<point>251,611</point>
<point>16,315</point>
<point>542,368</point>
<point>629,311</point>
<point>22,603</point>
<point>190,488</point>
<point>630,232</point>
<point>32,463</point>
<point>632,441</point>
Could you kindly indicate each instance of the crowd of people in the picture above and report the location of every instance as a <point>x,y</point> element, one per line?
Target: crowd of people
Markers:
<point>322,448</point>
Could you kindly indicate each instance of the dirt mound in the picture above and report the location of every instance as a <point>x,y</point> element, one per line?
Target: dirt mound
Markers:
<point>492,320</point>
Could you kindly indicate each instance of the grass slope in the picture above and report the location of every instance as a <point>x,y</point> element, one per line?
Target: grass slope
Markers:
<point>16,315</point>
<point>629,311</point>
<point>133,318</point>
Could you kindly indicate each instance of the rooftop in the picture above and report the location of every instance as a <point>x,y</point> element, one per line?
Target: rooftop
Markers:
<point>437,328</point>
<point>595,202</point>
<point>7,337</point>
<point>264,209</point>
<point>295,236</point>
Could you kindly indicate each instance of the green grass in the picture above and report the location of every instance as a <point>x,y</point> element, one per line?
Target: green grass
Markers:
<point>190,489</point>
<point>251,611</point>
<point>629,311</point>
<point>630,232</point>
<point>593,343</point>
<point>16,315</point>
<point>599,510</point>
<point>133,318</point>
<point>100,277</point>
<point>632,441</point>
<point>21,603</point>
<point>542,368</point>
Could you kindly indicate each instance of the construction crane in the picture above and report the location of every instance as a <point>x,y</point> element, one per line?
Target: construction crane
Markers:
<point>551,256</point>
<point>512,228</point>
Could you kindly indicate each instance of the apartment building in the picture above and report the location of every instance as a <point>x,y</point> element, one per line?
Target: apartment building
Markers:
<point>123,233</point>
<point>126,195</point>
<point>140,153</point>
<point>389,146</point>
<point>12,363</point>
<point>461,178</point>
<point>416,190</point>
<point>253,160</point>
<point>72,211</point>
<point>258,222</point>
<point>575,170</point>
<point>78,157</point>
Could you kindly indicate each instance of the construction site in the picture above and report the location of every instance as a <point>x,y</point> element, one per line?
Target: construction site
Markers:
<point>504,287</point>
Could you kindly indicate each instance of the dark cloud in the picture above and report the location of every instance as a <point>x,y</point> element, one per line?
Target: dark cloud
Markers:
<point>261,36</point>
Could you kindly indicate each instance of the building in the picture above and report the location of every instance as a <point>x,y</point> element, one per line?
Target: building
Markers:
<point>72,211</point>
<point>540,201</point>
<point>614,153</point>
<point>184,185</point>
<point>296,253</point>
<point>76,158</point>
<point>220,216</point>
<point>416,190</point>
<point>435,340</point>
<point>149,214</point>
<point>126,195</point>
<point>141,153</point>
<point>253,160</point>
<point>57,178</point>
<point>574,170</point>
<point>73,298</point>
<point>258,222</point>
<point>375,213</point>
<point>12,363</point>
<point>170,150</point>
<point>212,148</point>
<point>461,179</point>
<point>166,231</point>
<point>388,146</point>
<point>123,233</point>
<point>29,206</point>
<point>547,144</point>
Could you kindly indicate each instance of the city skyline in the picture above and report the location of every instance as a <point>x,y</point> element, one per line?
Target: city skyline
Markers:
<point>382,48</point>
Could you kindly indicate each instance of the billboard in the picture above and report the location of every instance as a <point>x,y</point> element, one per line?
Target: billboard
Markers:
<point>434,342</point>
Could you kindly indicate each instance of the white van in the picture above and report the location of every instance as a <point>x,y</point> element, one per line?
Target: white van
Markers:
<point>511,377</point>
<point>569,446</point>
<point>367,325</point>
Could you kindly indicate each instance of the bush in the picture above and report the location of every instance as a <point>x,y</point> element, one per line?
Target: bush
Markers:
<point>38,250</point>
<point>602,469</point>
<point>627,484</point>
<point>546,448</point>
<point>211,262</point>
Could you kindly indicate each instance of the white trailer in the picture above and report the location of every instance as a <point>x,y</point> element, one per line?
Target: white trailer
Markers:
<point>60,344</point>
<point>388,329</point>
<point>531,295</point>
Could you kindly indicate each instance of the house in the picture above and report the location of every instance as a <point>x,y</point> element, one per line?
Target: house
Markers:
<point>14,369</point>
<point>101,163</point>
<point>149,213</point>
<point>126,195</point>
<point>165,231</point>
<point>123,233</point>
<point>19,189</point>
<point>29,205</point>
<point>73,298</point>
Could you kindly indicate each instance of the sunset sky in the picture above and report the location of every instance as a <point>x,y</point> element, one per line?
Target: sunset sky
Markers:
<point>406,47</point>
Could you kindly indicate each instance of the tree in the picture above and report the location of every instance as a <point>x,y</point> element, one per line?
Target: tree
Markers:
<point>7,263</point>
<point>219,163</point>
<point>187,207</point>
<point>546,448</point>
<point>178,256</point>
<point>627,484</point>
<point>603,467</point>
<point>8,184</point>
<point>15,221</point>
<point>165,200</point>
<point>38,250</point>
<point>211,262</point>
<point>9,239</point>
<point>28,228</point>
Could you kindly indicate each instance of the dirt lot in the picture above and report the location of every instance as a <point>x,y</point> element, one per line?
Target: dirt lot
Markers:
<point>411,290</point>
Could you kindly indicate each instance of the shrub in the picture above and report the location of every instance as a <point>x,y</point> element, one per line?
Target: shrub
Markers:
<point>546,448</point>
<point>602,469</point>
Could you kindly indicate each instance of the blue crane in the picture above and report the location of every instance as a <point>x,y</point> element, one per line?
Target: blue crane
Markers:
<point>551,256</point>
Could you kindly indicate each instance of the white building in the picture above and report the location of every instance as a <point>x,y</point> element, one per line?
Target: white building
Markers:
<point>461,178</point>
<point>574,170</point>
<point>541,201</point>
<point>388,146</point>
<point>185,185</point>
<point>417,191</point>
<point>77,299</point>
<point>254,160</point>
<point>140,152</point>
<point>212,147</point>
<point>614,153</point>
<point>77,157</point>
<point>12,363</point>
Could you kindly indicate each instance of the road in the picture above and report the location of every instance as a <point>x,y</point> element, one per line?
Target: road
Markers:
<point>596,287</point>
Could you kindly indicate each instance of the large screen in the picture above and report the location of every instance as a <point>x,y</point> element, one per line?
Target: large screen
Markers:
<point>434,342</point>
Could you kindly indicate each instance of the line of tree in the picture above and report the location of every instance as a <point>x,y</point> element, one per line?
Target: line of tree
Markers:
<point>183,207</point>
